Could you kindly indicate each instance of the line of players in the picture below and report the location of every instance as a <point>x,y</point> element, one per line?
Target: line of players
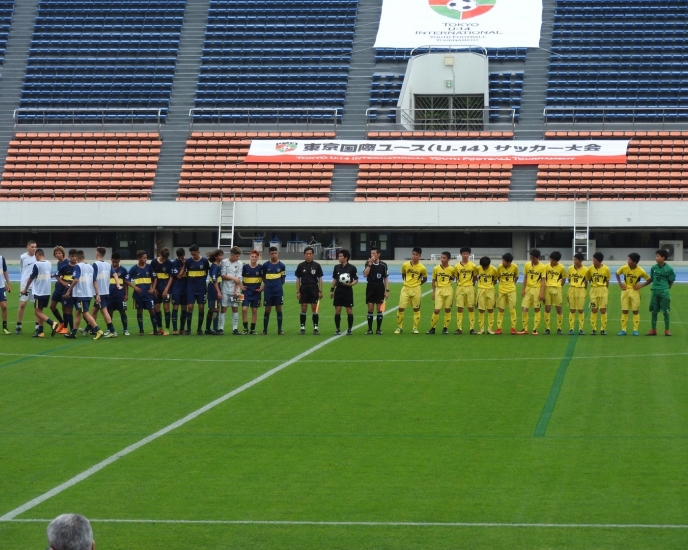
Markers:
<point>542,284</point>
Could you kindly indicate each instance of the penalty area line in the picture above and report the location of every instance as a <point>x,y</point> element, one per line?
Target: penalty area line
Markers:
<point>167,429</point>
<point>377,523</point>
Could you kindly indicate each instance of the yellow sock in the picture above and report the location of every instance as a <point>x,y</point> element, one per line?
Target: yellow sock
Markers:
<point>636,321</point>
<point>547,316</point>
<point>433,320</point>
<point>524,320</point>
<point>560,320</point>
<point>593,320</point>
<point>481,320</point>
<point>603,321</point>
<point>400,318</point>
<point>471,319</point>
<point>512,314</point>
<point>581,320</point>
<point>572,320</point>
<point>416,319</point>
<point>536,319</point>
<point>490,319</point>
<point>624,321</point>
<point>500,319</point>
<point>459,319</point>
<point>447,319</point>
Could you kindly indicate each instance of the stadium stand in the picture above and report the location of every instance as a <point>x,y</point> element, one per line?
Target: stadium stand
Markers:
<point>618,56</point>
<point>494,54</point>
<point>6,9</point>
<point>213,169</point>
<point>111,166</point>
<point>299,62</point>
<point>656,169</point>
<point>102,55</point>
<point>434,182</point>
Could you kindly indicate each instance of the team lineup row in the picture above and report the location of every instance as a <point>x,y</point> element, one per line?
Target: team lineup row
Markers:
<point>226,284</point>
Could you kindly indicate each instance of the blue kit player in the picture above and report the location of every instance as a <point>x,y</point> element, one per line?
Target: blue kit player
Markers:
<point>64,277</point>
<point>61,256</point>
<point>214,292</point>
<point>179,291</point>
<point>274,275</point>
<point>252,285</point>
<point>3,296</point>
<point>119,294</point>
<point>81,289</point>
<point>141,280</point>
<point>162,266</point>
<point>197,269</point>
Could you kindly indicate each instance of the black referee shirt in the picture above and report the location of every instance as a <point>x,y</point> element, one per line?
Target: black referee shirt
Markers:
<point>348,268</point>
<point>309,273</point>
<point>377,272</point>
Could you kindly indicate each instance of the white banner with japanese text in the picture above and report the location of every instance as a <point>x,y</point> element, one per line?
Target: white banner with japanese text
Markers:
<point>439,152</point>
<point>409,24</point>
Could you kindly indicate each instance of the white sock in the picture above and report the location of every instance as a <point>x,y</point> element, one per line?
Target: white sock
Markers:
<point>235,320</point>
<point>221,321</point>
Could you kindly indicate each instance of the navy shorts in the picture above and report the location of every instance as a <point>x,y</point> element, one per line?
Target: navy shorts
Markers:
<point>57,295</point>
<point>158,299</point>
<point>39,302</point>
<point>115,304</point>
<point>252,302</point>
<point>3,297</point>
<point>82,304</point>
<point>179,299</point>
<point>104,302</point>
<point>273,300</point>
<point>143,302</point>
<point>193,298</point>
<point>67,301</point>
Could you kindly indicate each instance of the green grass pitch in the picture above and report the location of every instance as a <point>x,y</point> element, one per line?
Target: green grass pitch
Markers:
<point>458,438</point>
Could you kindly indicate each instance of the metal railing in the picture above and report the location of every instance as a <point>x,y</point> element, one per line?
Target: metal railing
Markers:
<point>29,115</point>
<point>616,116</point>
<point>444,119</point>
<point>270,116</point>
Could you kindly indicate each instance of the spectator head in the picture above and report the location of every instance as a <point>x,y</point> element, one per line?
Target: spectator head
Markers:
<point>70,532</point>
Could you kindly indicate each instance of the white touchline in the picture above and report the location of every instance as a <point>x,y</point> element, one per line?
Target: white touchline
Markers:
<point>191,416</point>
<point>380,523</point>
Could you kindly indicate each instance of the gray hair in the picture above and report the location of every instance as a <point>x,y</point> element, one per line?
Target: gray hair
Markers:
<point>70,532</point>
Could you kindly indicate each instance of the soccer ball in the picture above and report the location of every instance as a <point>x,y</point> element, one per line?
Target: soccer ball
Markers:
<point>462,5</point>
<point>344,278</point>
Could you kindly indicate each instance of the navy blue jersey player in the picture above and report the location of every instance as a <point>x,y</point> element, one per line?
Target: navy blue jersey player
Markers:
<point>3,296</point>
<point>142,281</point>
<point>179,291</point>
<point>61,256</point>
<point>252,285</point>
<point>162,266</point>
<point>274,275</point>
<point>119,296</point>
<point>214,292</point>
<point>197,269</point>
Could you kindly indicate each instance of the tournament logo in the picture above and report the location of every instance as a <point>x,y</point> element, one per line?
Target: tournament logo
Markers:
<point>462,9</point>
<point>286,147</point>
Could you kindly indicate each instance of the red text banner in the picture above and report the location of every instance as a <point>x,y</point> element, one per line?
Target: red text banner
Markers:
<point>438,152</point>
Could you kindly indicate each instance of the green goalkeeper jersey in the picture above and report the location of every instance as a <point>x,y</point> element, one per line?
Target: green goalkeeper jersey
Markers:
<point>662,276</point>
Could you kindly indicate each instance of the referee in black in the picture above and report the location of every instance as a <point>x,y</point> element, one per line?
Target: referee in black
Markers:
<point>377,289</point>
<point>342,293</point>
<point>309,276</point>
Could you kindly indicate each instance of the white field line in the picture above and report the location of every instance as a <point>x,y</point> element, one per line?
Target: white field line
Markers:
<point>189,417</point>
<point>378,523</point>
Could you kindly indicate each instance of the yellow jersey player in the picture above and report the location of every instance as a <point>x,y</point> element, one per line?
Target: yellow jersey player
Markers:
<point>487,277</point>
<point>507,272</point>
<point>630,292</point>
<point>466,272</point>
<point>442,292</point>
<point>578,283</point>
<point>598,276</point>
<point>532,290</point>
<point>414,275</point>
<point>555,277</point>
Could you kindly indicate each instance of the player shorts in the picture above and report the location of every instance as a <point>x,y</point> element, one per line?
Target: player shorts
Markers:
<point>179,299</point>
<point>465,296</point>
<point>531,298</point>
<point>444,297</point>
<point>343,297</point>
<point>104,301</point>
<point>375,293</point>
<point>553,295</point>
<point>253,302</point>
<point>660,300</point>
<point>506,300</point>
<point>39,302</point>
<point>28,297</point>
<point>158,299</point>
<point>486,298</point>
<point>143,302</point>
<point>82,304</point>
<point>599,297</point>
<point>116,304</point>
<point>575,297</point>
<point>410,295</point>
<point>630,300</point>
<point>309,294</point>
<point>213,301</point>
<point>229,300</point>
<point>273,299</point>
<point>67,301</point>
<point>195,298</point>
<point>57,294</point>
<point>3,296</point>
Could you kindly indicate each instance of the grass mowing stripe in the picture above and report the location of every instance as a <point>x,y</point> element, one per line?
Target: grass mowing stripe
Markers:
<point>131,448</point>
<point>548,409</point>
<point>376,523</point>
<point>26,357</point>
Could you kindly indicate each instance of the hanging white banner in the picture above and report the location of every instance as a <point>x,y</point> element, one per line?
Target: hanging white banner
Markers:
<point>552,151</point>
<point>487,23</point>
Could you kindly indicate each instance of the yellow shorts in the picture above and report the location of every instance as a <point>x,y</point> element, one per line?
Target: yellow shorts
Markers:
<point>630,300</point>
<point>507,300</point>
<point>576,298</point>
<point>444,296</point>
<point>486,298</point>
<point>599,297</point>
<point>532,298</point>
<point>465,296</point>
<point>553,295</point>
<point>410,295</point>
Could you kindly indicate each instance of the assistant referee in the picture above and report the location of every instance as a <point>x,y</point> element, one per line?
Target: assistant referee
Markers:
<point>377,289</point>
<point>309,276</point>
